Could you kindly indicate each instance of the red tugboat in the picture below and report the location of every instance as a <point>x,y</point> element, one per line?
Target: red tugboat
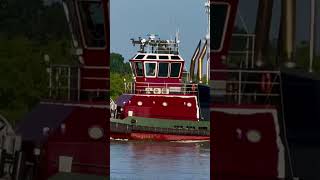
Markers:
<point>66,135</point>
<point>160,104</point>
<point>247,118</point>
<point>247,127</point>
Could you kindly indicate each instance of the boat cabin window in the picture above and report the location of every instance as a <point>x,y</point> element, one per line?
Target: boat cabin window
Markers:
<point>219,17</point>
<point>139,68</point>
<point>163,57</point>
<point>139,56</point>
<point>175,69</point>
<point>163,69</point>
<point>151,57</point>
<point>150,69</point>
<point>175,57</point>
<point>92,22</point>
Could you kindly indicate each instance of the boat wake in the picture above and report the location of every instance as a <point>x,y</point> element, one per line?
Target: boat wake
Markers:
<point>191,141</point>
<point>118,139</point>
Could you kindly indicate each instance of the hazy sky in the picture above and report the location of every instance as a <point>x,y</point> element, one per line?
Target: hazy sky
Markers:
<point>134,18</point>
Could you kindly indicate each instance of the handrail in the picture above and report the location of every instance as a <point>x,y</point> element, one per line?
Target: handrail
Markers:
<point>245,83</point>
<point>245,71</point>
<point>165,88</point>
<point>60,80</point>
<point>158,83</point>
<point>242,84</point>
<point>247,50</point>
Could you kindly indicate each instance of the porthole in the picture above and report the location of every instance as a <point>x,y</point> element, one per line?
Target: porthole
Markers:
<point>254,136</point>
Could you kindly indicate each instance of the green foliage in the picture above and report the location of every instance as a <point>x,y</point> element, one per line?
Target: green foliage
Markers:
<point>22,66</point>
<point>117,84</point>
<point>33,20</point>
<point>23,73</point>
<point>117,64</point>
<point>302,57</point>
<point>28,31</point>
<point>120,71</point>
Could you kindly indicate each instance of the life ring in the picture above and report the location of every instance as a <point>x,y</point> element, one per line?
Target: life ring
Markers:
<point>266,84</point>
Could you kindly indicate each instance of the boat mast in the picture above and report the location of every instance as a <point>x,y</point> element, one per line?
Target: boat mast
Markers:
<point>312,33</point>
<point>207,7</point>
<point>288,29</point>
<point>262,31</point>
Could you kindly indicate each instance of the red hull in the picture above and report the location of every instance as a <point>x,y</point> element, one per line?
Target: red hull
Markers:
<point>247,143</point>
<point>158,137</point>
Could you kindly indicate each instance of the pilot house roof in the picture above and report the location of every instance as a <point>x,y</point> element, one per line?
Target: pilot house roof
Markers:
<point>152,56</point>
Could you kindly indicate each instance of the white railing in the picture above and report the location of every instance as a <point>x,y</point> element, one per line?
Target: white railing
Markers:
<point>64,82</point>
<point>244,52</point>
<point>160,88</point>
<point>242,86</point>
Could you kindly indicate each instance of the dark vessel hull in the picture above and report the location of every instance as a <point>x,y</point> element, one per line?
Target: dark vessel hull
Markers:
<point>301,97</point>
<point>138,128</point>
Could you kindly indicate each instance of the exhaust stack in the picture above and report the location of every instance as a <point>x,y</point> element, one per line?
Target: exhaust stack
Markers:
<point>288,23</point>
<point>193,62</point>
<point>200,59</point>
<point>313,29</point>
<point>262,30</point>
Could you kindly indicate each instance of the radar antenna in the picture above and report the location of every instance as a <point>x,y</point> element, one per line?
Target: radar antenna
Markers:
<point>152,44</point>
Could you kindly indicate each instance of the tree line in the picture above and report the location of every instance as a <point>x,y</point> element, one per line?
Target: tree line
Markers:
<point>120,73</point>
<point>28,30</point>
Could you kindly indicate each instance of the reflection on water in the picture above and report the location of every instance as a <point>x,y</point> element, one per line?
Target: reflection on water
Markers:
<point>159,160</point>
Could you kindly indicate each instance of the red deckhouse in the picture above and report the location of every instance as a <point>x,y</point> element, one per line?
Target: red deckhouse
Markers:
<point>158,71</point>
<point>158,76</point>
<point>157,64</point>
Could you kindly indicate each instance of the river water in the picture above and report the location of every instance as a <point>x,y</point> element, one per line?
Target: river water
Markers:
<point>144,160</point>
